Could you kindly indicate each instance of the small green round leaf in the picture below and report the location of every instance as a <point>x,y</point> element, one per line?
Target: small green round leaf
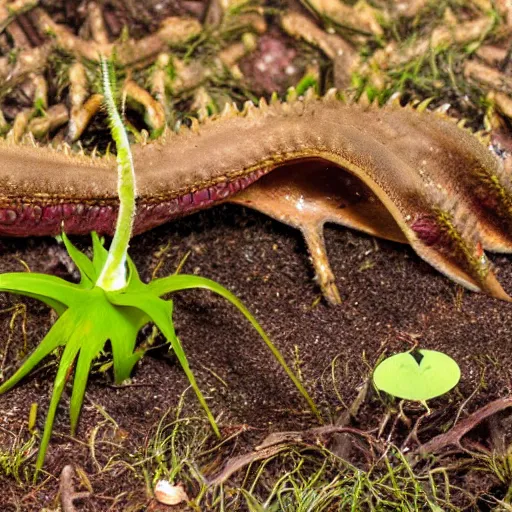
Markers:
<point>422,375</point>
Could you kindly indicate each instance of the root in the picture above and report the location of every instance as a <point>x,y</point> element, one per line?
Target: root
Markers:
<point>279,441</point>
<point>454,436</point>
<point>67,490</point>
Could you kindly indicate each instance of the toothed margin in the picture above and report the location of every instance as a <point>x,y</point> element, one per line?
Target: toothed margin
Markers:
<point>423,105</point>
<point>76,156</point>
<point>499,187</point>
<point>294,105</point>
<point>461,228</point>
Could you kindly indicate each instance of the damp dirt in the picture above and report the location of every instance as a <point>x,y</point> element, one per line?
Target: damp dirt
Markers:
<point>390,297</point>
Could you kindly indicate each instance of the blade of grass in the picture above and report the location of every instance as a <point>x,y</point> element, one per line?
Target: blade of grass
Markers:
<point>57,335</point>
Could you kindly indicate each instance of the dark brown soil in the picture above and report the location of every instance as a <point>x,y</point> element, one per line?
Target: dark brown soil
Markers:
<point>389,294</point>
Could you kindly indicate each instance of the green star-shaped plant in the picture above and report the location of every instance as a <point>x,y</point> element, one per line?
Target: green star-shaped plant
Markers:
<point>110,303</point>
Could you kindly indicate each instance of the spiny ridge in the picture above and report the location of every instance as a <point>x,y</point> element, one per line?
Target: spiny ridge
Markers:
<point>453,229</point>
<point>497,191</point>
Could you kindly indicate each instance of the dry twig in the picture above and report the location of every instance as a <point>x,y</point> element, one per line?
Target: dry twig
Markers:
<point>67,490</point>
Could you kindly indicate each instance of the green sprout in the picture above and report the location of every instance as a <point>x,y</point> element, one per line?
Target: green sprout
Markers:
<point>111,303</point>
<point>418,375</point>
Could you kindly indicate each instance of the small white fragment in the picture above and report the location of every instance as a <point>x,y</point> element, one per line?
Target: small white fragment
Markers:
<point>169,494</point>
<point>290,69</point>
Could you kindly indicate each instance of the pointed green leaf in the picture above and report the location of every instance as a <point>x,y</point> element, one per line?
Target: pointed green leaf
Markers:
<point>414,377</point>
<point>160,312</point>
<point>99,255</point>
<point>123,335</point>
<point>57,335</point>
<point>51,287</point>
<point>66,363</point>
<point>57,306</point>
<point>96,340</point>
<point>123,364</point>
<point>133,275</point>
<point>83,263</point>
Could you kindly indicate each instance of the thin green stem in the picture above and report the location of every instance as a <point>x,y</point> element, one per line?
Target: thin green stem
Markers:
<point>113,274</point>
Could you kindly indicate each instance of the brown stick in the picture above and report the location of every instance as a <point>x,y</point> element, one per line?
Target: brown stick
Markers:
<point>10,10</point>
<point>173,30</point>
<point>279,441</point>
<point>67,490</point>
<point>454,436</point>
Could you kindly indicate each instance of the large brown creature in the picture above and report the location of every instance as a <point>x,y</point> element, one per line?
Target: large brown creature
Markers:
<point>398,173</point>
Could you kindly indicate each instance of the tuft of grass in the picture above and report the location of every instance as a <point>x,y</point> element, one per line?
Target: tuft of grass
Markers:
<point>297,479</point>
<point>172,451</point>
<point>14,461</point>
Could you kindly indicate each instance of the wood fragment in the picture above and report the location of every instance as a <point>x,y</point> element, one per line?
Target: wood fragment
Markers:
<point>154,114</point>
<point>486,75</point>
<point>55,117</point>
<point>81,117</point>
<point>230,55</point>
<point>341,443</point>
<point>20,124</point>
<point>160,82</point>
<point>279,441</point>
<point>97,24</point>
<point>502,102</point>
<point>344,56</point>
<point>10,10</point>
<point>492,55</point>
<point>68,496</point>
<point>454,436</point>
<point>28,61</point>
<point>443,36</point>
<point>360,17</point>
<point>78,88</point>
<point>173,30</point>
<point>409,8</point>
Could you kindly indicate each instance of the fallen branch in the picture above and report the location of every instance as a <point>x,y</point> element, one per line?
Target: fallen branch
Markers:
<point>341,444</point>
<point>279,441</point>
<point>454,436</point>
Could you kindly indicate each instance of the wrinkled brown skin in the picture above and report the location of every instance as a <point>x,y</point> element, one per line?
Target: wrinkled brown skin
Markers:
<point>381,171</point>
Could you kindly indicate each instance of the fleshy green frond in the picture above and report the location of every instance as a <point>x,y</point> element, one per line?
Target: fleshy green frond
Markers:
<point>84,264</point>
<point>123,336</point>
<point>134,281</point>
<point>90,336</point>
<point>57,306</point>
<point>179,282</point>
<point>42,286</point>
<point>65,365</point>
<point>58,335</point>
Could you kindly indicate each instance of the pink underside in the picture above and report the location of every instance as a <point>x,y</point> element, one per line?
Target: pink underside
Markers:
<point>79,219</point>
